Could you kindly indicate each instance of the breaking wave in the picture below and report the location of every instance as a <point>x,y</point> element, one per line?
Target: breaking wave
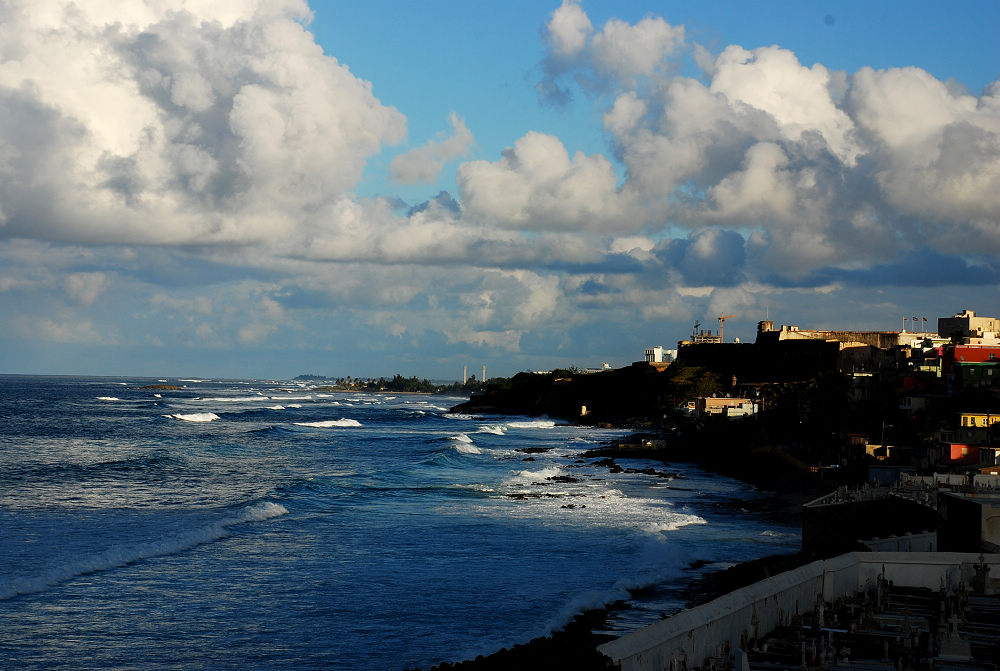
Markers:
<point>195,417</point>
<point>535,424</point>
<point>330,423</point>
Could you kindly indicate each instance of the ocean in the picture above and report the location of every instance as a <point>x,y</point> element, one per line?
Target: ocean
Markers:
<point>246,524</point>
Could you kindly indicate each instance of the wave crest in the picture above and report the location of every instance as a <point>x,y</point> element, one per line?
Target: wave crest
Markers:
<point>194,416</point>
<point>534,424</point>
<point>122,555</point>
<point>330,423</point>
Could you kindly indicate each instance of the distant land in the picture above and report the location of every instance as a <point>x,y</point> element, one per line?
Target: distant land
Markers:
<point>396,384</point>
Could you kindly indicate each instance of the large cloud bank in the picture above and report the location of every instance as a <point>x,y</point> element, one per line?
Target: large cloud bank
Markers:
<point>171,130</point>
<point>175,122</point>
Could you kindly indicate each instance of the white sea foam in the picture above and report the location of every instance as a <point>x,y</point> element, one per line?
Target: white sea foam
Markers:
<point>158,395</point>
<point>275,407</point>
<point>108,398</point>
<point>233,399</point>
<point>461,437</point>
<point>122,555</point>
<point>330,423</point>
<point>534,424</point>
<point>675,522</point>
<point>497,429</point>
<point>195,416</point>
<point>538,476</point>
<point>467,448</point>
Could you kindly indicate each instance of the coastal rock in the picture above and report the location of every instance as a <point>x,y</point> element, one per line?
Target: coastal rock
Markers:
<point>562,478</point>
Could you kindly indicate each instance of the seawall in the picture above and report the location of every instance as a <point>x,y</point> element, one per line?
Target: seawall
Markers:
<point>692,638</point>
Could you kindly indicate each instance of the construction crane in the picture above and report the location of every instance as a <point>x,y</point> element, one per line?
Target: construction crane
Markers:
<point>722,325</point>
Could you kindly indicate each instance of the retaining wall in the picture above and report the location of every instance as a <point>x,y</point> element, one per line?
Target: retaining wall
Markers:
<point>718,628</point>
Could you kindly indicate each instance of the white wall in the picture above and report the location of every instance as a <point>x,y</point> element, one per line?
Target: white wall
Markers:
<point>699,633</point>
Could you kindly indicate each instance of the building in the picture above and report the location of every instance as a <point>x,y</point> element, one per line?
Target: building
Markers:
<point>966,326</point>
<point>980,419</point>
<point>970,374</point>
<point>961,363</point>
<point>659,355</point>
<point>727,407</point>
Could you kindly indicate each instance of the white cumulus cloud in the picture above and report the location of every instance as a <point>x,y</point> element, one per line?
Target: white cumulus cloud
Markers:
<point>164,122</point>
<point>424,163</point>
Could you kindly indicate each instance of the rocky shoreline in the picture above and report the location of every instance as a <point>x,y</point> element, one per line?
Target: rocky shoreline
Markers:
<point>575,646</point>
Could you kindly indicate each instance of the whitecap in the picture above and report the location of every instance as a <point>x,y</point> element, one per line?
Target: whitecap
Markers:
<point>673,524</point>
<point>467,448</point>
<point>535,424</point>
<point>460,437</point>
<point>330,423</point>
<point>275,407</point>
<point>537,476</point>
<point>232,399</point>
<point>108,398</point>
<point>497,429</point>
<point>195,417</point>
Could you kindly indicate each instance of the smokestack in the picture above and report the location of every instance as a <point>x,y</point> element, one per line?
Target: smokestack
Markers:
<point>484,373</point>
<point>465,374</point>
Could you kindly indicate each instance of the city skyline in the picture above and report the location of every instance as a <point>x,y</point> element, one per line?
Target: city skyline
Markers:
<point>234,189</point>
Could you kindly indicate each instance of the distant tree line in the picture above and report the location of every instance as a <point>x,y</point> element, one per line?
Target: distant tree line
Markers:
<point>397,383</point>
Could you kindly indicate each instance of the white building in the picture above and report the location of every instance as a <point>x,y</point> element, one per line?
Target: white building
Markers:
<point>659,355</point>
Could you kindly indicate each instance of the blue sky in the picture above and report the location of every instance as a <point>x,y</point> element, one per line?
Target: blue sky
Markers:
<point>261,189</point>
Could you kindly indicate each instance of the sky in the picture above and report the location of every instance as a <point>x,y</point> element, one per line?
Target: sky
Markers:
<point>265,188</point>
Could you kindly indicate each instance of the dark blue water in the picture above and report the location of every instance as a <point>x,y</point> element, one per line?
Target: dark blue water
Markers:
<point>270,525</point>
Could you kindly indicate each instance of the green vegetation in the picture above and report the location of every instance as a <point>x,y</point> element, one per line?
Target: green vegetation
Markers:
<point>396,384</point>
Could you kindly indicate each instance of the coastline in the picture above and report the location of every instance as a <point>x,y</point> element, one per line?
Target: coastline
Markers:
<point>575,646</point>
